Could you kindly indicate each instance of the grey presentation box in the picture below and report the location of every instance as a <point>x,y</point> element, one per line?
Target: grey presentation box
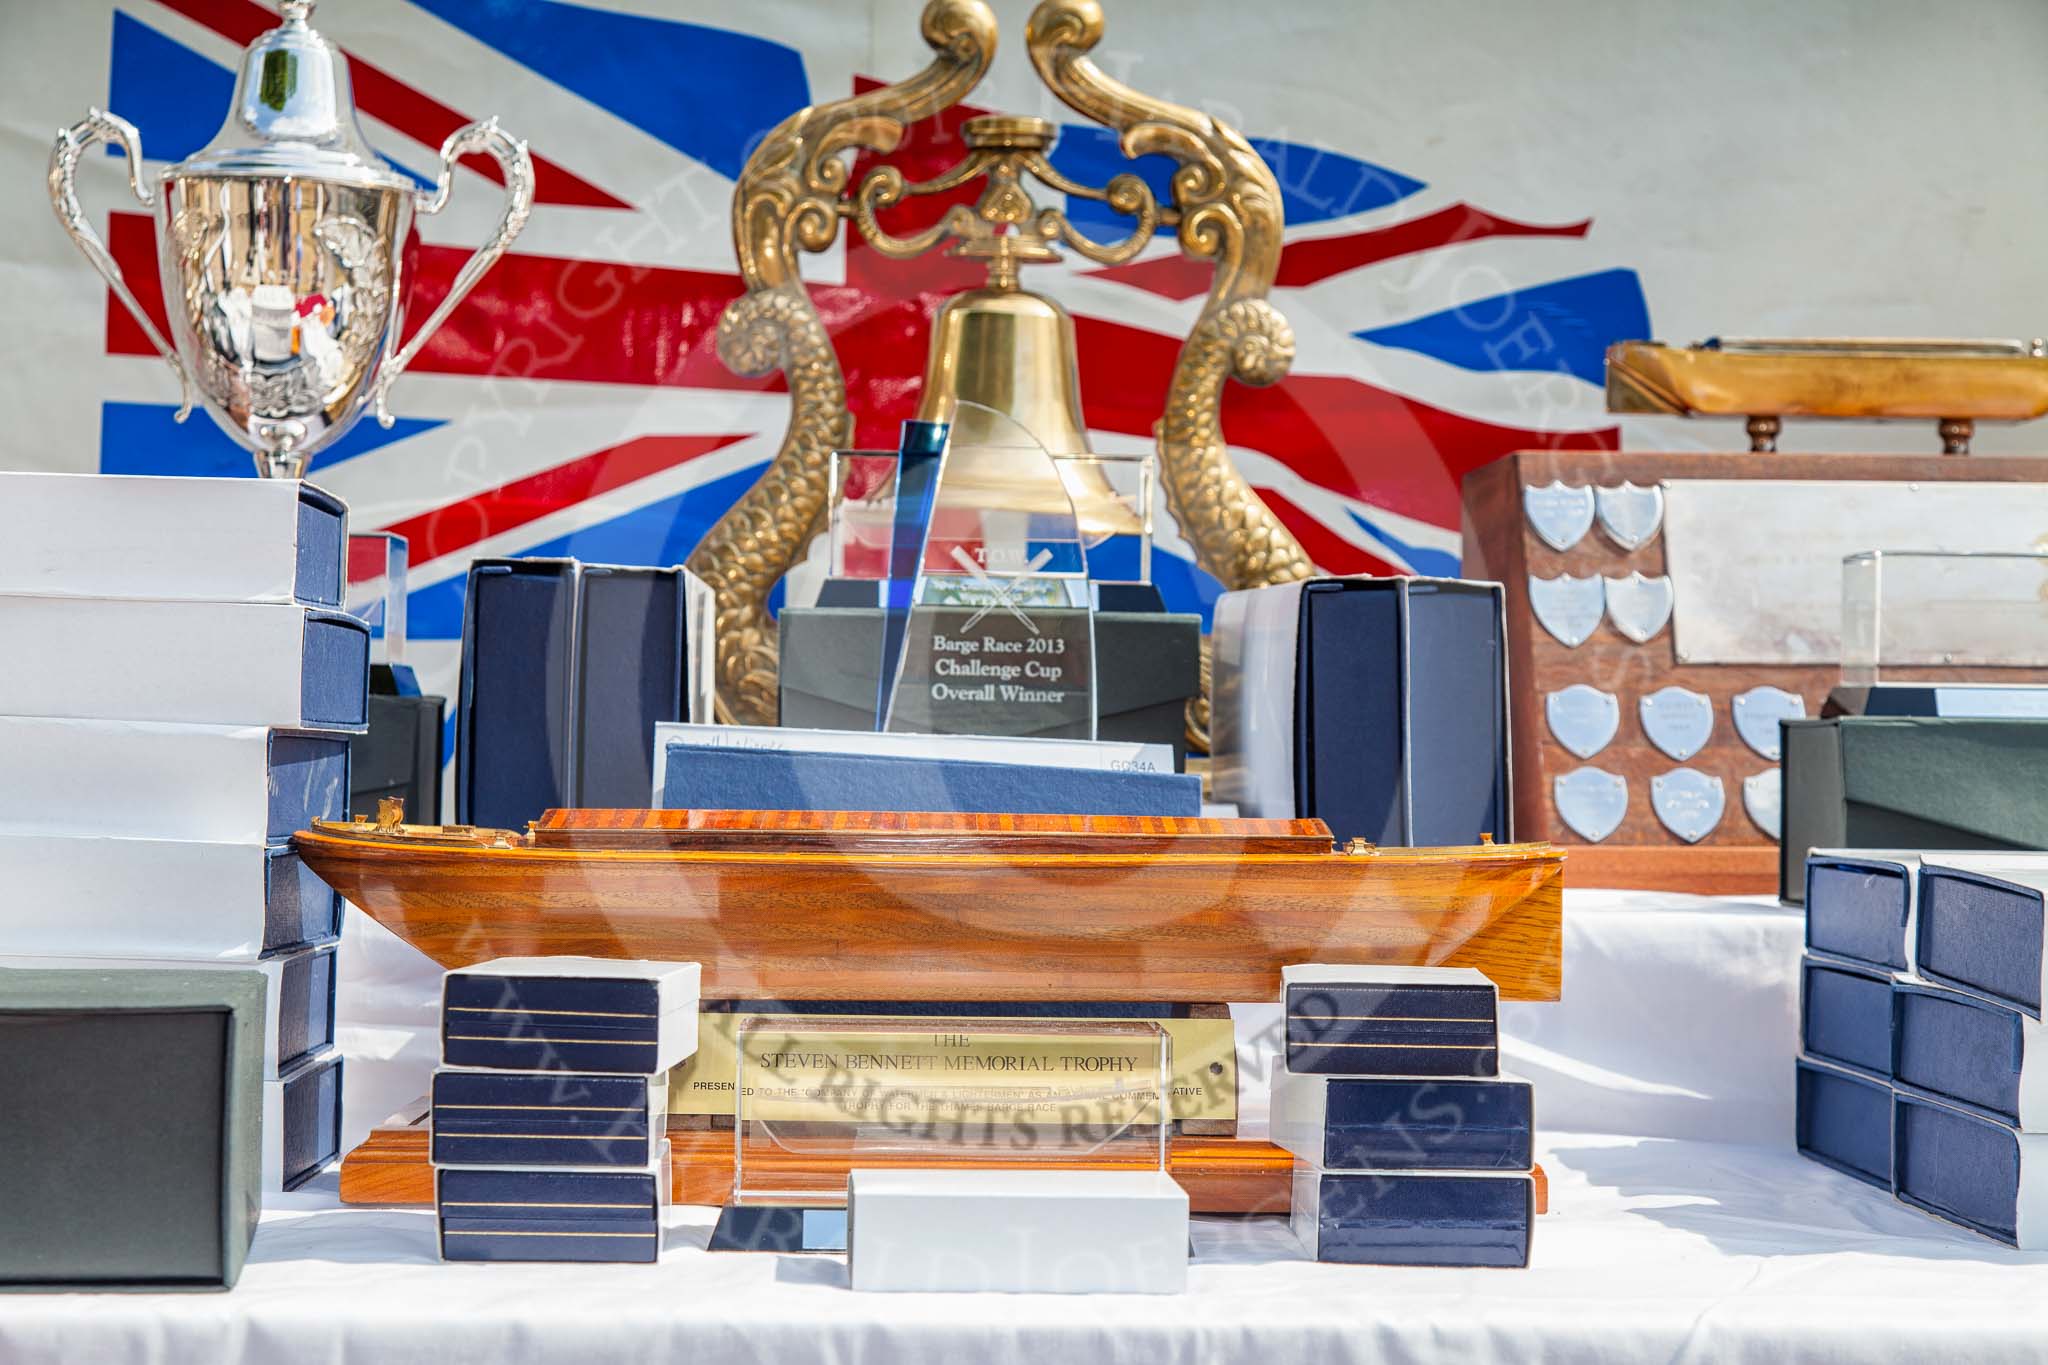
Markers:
<point>131,1106</point>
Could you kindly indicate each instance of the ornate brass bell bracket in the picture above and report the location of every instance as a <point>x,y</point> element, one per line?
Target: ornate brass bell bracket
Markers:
<point>793,196</point>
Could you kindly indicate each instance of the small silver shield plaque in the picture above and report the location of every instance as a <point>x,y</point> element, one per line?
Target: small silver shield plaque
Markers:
<point>1568,605</point>
<point>1560,514</point>
<point>1630,516</point>
<point>1637,605</point>
<point>1757,713</point>
<point>1677,720</point>
<point>1688,802</point>
<point>1763,796</point>
<point>1583,718</point>
<point>1591,801</point>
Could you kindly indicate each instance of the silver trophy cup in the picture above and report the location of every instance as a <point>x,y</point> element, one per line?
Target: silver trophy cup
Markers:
<point>281,249</point>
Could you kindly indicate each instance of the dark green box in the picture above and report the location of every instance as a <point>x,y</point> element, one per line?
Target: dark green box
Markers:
<point>1147,665</point>
<point>89,1198</point>
<point>1910,782</point>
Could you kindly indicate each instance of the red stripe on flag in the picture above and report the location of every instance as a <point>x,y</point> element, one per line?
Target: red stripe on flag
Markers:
<point>531,317</point>
<point>386,97</point>
<point>459,525</point>
<point>1331,552</point>
<point>1312,260</point>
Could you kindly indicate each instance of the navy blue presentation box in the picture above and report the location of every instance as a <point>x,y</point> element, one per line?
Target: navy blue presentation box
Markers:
<point>1377,705</point>
<point>1970,1169</point>
<point>1971,1050</point>
<point>787,779</point>
<point>302,1121</point>
<point>566,669</point>
<point>1860,907</point>
<point>1845,1014</point>
<point>1843,1119</point>
<point>1414,1218</point>
<point>1983,932</point>
<point>492,1214</point>
<point>304,1007</point>
<point>1391,1021</point>
<point>1383,1123</point>
<point>574,1014</point>
<point>503,1118</point>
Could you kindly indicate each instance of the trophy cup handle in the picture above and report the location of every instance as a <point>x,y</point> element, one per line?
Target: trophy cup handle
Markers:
<point>73,143</point>
<point>511,154</point>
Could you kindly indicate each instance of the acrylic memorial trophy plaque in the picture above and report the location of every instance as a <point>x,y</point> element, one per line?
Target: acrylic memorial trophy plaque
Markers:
<point>988,623</point>
<point>1914,621</point>
<point>819,1095</point>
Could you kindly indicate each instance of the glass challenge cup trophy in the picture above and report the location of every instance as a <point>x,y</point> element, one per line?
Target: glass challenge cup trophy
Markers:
<point>280,246</point>
<point>988,620</point>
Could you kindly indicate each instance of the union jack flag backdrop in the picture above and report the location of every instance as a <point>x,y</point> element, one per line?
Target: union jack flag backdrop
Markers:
<point>576,405</point>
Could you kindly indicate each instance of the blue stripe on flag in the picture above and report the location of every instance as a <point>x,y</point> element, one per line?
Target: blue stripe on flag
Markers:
<point>1565,325</point>
<point>141,438</point>
<point>662,532</point>
<point>1315,185</point>
<point>1421,558</point>
<point>174,96</point>
<point>707,92</point>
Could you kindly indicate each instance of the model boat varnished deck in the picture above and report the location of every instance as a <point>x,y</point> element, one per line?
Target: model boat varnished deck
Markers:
<point>802,905</point>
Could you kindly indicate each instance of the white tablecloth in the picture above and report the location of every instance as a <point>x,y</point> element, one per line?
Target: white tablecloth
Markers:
<point>1683,1226</point>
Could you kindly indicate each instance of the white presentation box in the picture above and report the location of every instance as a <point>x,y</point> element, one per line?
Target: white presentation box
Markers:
<point>156,780</point>
<point>78,895</point>
<point>207,663</point>
<point>195,539</point>
<point>1023,1232</point>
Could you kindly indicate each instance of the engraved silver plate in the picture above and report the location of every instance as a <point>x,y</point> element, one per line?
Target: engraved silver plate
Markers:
<point>1757,713</point>
<point>1688,802</point>
<point>1568,606</point>
<point>1763,796</point>
<point>1591,801</point>
<point>1630,516</point>
<point>1678,720</point>
<point>1560,513</point>
<point>1637,605</point>
<point>1583,718</point>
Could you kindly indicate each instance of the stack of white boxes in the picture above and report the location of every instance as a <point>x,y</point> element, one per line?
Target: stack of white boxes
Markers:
<point>1410,1147</point>
<point>549,1115</point>
<point>1923,1063</point>
<point>177,701</point>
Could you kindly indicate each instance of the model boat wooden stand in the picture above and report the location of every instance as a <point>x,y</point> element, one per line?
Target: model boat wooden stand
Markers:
<point>805,906</point>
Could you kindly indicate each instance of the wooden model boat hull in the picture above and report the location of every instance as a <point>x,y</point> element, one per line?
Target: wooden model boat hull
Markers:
<point>811,922</point>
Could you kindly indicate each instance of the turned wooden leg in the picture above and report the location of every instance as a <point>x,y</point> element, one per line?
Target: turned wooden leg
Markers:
<point>1763,434</point>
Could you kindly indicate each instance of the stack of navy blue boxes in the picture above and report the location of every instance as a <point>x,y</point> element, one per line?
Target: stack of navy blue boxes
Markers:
<point>550,1112</point>
<point>1921,1065</point>
<point>1410,1147</point>
<point>186,689</point>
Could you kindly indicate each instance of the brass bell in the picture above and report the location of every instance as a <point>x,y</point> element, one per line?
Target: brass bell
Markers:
<point>1011,350</point>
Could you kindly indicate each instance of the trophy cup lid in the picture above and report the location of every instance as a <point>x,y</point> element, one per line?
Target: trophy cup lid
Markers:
<point>294,114</point>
